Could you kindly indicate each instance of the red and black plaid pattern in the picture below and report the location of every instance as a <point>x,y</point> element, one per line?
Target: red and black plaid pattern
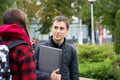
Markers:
<point>21,63</point>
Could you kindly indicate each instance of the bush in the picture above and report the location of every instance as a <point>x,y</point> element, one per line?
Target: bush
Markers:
<point>93,53</point>
<point>116,69</point>
<point>95,61</point>
<point>99,71</point>
<point>117,72</point>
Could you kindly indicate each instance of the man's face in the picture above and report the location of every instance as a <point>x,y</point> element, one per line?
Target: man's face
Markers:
<point>59,30</point>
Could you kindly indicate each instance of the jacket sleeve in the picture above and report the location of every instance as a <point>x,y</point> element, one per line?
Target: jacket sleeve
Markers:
<point>40,75</point>
<point>74,73</point>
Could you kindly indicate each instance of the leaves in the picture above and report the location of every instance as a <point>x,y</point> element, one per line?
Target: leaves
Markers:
<point>43,11</point>
<point>51,8</point>
<point>107,9</point>
<point>30,7</point>
<point>4,4</point>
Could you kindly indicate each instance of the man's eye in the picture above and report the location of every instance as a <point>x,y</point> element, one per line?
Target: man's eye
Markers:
<point>55,27</point>
<point>61,28</point>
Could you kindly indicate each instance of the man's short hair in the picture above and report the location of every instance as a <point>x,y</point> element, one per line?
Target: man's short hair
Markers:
<point>61,18</point>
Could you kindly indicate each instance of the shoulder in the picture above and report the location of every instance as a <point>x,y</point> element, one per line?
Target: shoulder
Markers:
<point>42,43</point>
<point>37,48</point>
<point>71,46</point>
<point>23,48</point>
<point>21,52</point>
<point>72,49</point>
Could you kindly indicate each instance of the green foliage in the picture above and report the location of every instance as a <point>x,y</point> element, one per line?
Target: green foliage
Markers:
<point>30,7</point>
<point>117,18</point>
<point>5,4</point>
<point>117,72</point>
<point>95,61</point>
<point>117,33</point>
<point>116,69</point>
<point>117,58</point>
<point>107,9</point>
<point>93,53</point>
<point>99,70</point>
<point>51,8</point>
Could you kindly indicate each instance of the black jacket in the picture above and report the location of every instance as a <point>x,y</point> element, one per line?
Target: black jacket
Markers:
<point>69,65</point>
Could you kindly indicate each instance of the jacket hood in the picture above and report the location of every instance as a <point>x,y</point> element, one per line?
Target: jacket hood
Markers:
<point>13,31</point>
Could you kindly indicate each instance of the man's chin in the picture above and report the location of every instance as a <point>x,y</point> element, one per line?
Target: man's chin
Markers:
<point>57,39</point>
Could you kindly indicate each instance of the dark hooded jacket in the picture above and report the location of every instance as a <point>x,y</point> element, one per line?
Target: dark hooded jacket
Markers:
<point>21,56</point>
<point>69,65</point>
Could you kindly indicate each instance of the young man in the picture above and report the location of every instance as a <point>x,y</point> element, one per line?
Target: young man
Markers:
<point>69,65</point>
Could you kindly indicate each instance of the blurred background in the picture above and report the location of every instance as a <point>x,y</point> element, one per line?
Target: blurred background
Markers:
<point>41,12</point>
<point>94,30</point>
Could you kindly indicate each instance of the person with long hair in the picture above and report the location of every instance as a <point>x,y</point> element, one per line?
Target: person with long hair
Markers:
<point>21,59</point>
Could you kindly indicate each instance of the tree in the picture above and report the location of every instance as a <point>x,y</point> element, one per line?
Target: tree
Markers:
<point>85,14</point>
<point>4,4</point>
<point>48,9</point>
<point>51,8</point>
<point>30,7</point>
<point>116,58</point>
<point>107,9</point>
<point>117,32</point>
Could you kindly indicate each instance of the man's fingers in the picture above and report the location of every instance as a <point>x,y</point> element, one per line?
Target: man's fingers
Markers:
<point>59,76</point>
<point>57,70</point>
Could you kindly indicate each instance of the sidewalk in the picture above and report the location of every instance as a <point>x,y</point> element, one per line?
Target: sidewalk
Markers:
<point>81,78</point>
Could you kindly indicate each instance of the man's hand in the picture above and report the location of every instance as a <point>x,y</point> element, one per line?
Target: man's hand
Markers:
<point>55,75</point>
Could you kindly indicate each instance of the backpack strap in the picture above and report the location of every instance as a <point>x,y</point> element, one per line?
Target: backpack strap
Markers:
<point>15,43</point>
<point>1,40</point>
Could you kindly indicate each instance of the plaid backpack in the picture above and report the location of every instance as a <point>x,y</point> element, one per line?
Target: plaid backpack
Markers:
<point>4,59</point>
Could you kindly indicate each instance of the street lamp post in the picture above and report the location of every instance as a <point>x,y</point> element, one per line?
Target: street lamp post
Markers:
<point>92,21</point>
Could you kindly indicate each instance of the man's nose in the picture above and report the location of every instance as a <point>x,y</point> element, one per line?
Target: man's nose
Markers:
<point>58,30</point>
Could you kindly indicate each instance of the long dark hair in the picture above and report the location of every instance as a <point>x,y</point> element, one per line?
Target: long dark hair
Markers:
<point>15,16</point>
